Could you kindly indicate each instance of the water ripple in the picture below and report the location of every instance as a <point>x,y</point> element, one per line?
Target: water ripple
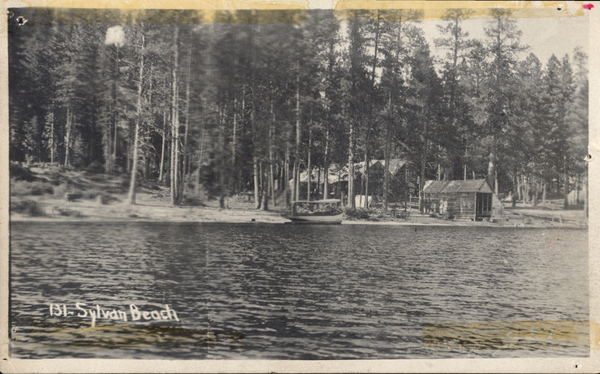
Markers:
<point>296,292</point>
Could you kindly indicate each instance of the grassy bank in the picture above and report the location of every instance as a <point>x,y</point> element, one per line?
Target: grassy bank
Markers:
<point>38,193</point>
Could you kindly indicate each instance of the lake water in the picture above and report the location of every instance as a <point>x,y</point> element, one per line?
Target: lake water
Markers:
<point>257,291</point>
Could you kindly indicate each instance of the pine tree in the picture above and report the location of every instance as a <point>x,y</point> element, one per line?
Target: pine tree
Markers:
<point>503,45</point>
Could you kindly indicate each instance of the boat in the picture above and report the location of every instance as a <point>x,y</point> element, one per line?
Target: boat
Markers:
<point>316,212</point>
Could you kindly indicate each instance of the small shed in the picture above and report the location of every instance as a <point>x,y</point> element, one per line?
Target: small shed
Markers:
<point>469,199</point>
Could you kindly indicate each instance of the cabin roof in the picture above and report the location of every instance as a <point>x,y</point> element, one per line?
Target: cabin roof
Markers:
<point>337,172</point>
<point>474,185</point>
<point>395,165</point>
<point>326,201</point>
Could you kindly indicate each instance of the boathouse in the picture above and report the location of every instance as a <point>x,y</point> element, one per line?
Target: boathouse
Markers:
<point>469,199</point>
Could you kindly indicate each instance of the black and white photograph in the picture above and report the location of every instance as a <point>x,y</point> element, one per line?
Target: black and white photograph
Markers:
<point>385,182</point>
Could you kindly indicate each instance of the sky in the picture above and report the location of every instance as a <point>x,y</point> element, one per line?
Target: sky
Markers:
<point>545,36</point>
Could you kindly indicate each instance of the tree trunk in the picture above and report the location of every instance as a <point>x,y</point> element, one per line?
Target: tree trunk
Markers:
<point>286,181</point>
<point>371,112</point>
<point>366,197</point>
<point>234,139</point>
<point>308,168</point>
<point>519,191</point>
<point>256,182</point>
<point>298,134</point>
<point>421,184</point>
<point>387,156</point>
<point>115,140</point>
<point>162,149</point>
<point>318,182</point>
<point>351,203</point>
<point>535,192</point>
<point>326,166</point>
<point>130,146</point>
<point>172,166</point>
<point>255,158</point>
<point>187,119</point>
<point>362,184</point>
<point>138,120</point>
<point>587,192</point>
<point>242,119</point>
<point>566,188</point>
<point>221,163</point>
<point>198,177</point>
<point>543,193</point>
<point>68,136</point>
<point>338,188</point>
<point>577,189</point>
<point>271,160</point>
<point>116,114</point>
<point>423,165</point>
<point>492,163</point>
<point>265,189</point>
<point>496,183</point>
<point>52,139</point>
<point>175,126</point>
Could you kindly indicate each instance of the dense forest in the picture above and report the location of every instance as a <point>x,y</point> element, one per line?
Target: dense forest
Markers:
<point>250,101</point>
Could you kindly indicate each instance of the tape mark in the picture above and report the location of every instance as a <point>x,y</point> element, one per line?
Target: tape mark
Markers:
<point>594,335</point>
<point>431,10</point>
<point>74,336</point>
<point>480,10</point>
<point>515,335</point>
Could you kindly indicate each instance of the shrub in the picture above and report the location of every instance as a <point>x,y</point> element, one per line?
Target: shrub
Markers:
<point>72,196</point>
<point>356,213</point>
<point>23,188</point>
<point>95,168</point>
<point>19,172</point>
<point>61,189</point>
<point>41,188</point>
<point>103,199</point>
<point>125,182</point>
<point>193,201</point>
<point>90,194</point>
<point>28,207</point>
<point>70,213</point>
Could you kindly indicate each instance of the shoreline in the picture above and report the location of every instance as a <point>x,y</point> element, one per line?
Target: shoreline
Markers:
<point>260,223</point>
<point>123,213</point>
<point>50,197</point>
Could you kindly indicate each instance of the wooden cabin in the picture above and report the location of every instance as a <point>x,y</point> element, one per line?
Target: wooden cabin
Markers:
<point>469,199</point>
<point>338,174</point>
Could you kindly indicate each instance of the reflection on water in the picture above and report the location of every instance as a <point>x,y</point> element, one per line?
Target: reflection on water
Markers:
<point>293,292</point>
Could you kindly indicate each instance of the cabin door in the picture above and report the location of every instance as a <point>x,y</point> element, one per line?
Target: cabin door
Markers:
<point>484,205</point>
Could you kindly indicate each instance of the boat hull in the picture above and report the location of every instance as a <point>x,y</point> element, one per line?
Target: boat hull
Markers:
<point>315,220</point>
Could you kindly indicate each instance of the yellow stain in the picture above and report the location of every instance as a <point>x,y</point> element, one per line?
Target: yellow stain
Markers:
<point>516,334</point>
<point>434,10</point>
<point>180,4</point>
<point>431,10</point>
<point>594,335</point>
